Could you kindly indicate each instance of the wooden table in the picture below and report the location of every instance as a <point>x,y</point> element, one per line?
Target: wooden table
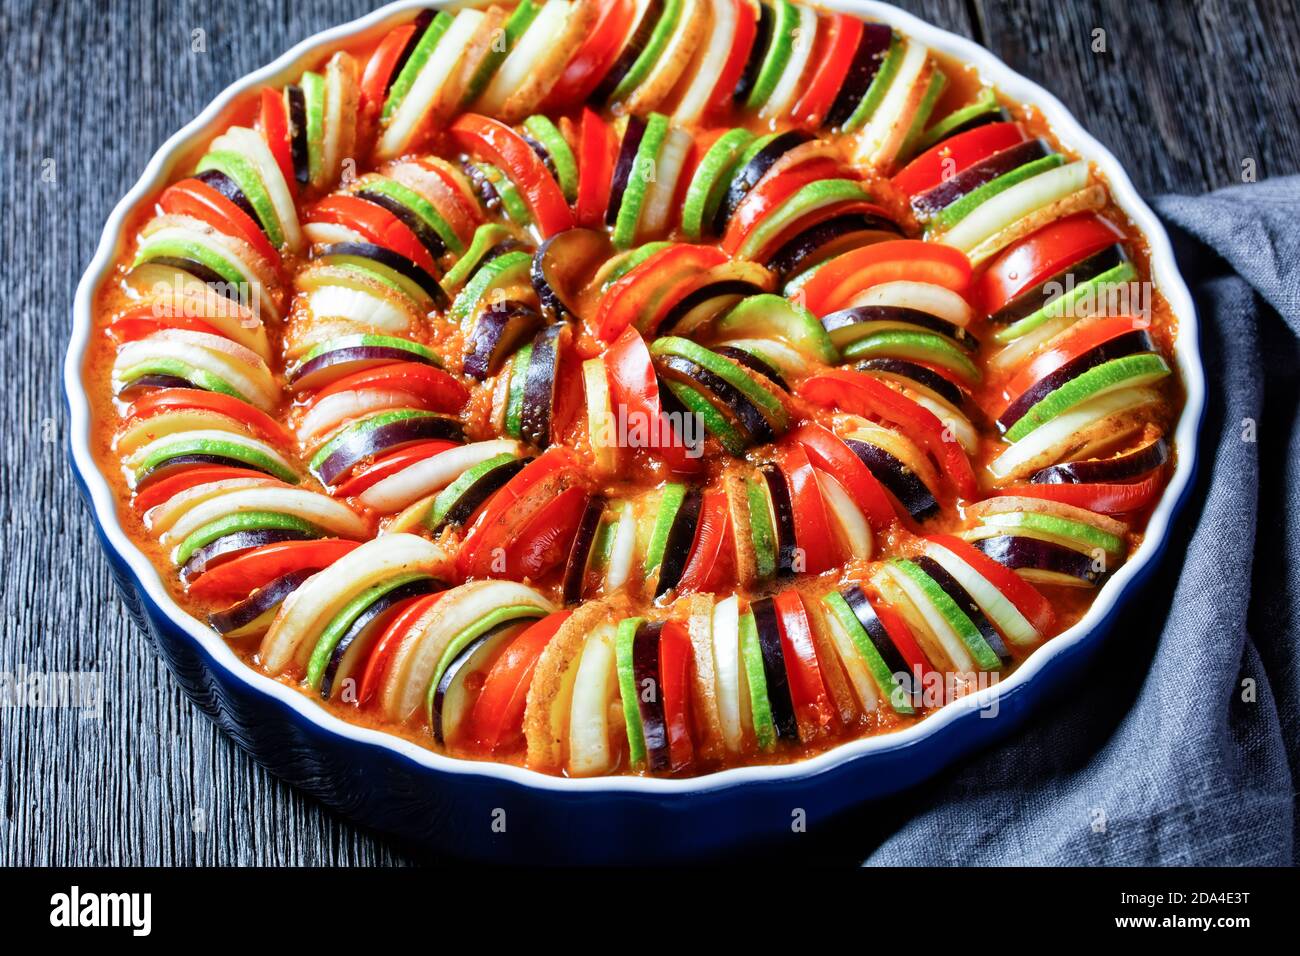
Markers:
<point>1187,94</point>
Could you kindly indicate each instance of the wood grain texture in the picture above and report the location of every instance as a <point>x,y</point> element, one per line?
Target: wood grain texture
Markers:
<point>1185,92</point>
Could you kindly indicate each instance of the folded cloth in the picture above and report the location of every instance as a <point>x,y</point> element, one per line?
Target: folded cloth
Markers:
<point>1178,745</point>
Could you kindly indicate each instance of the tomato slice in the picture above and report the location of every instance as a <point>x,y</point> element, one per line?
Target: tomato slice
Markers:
<point>634,394</point>
<point>544,540</point>
<point>275,130</point>
<point>376,224</point>
<point>242,575</point>
<point>947,159</point>
<point>843,277</point>
<point>498,714</point>
<point>1074,346</point>
<point>593,60</point>
<point>860,394</point>
<point>834,55</point>
<point>1042,255</point>
<point>1107,498</point>
<point>710,541</point>
<point>391,464</point>
<point>499,144</point>
<point>379,70</point>
<point>435,389</point>
<point>742,42</point>
<point>500,517</point>
<point>1036,608</point>
<point>812,528</point>
<point>765,197</point>
<point>453,198</point>
<point>674,674</point>
<point>827,451</point>
<point>166,488</point>
<point>381,655</point>
<point>195,198</point>
<point>812,706</point>
<point>596,155</point>
<point>141,322</point>
<point>900,635</point>
<point>645,294</point>
<point>174,399</point>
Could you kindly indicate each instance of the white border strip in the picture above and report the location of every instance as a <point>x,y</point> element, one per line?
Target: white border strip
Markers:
<point>1017,87</point>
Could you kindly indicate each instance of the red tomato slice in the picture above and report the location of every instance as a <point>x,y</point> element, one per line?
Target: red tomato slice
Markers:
<point>843,277</point>
<point>435,389</point>
<point>379,70</point>
<point>836,44</point>
<point>499,144</point>
<point>769,194</point>
<point>166,488</point>
<point>457,205</point>
<point>1109,499</point>
<point>674,674</point>
<point>1042,255</point>
<point>827,451</point>
<point>741,43</point>
<point>498,714</point>
<point>708,547</point>
<point>596,155</point>
<point>543,541</point>
<point>950,157</point>
<point>194,197</point>
<point>812,706</point>
<point>275,130</point>
<point>1036,608</point>
<point>497,520</point>
<point>141,323</point>
<point>241,575</point>
<point>376,224</point>
<point>173,399</point>
<point>381,655</point>
<point>641,297</point>
<point>391,464</point>
<point>634,393</point>
<point>900,635</point>
<point>594,58</point>
<point>812,528</point>
<point>1082,341</point>
<point>860,394</point>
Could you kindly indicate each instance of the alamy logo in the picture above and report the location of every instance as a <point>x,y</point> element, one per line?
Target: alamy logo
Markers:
<point>103,909</point>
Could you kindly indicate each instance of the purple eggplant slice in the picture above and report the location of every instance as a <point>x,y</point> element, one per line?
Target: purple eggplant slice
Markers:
<point>778,681</point>
<point>899,480</point>
<point>870,54</point>
<point>748,177</point>
<point>259,602</point>
<point>575,568</point>
<point>296,105</point>
<point>360,356</point>
<point>1073,276</point>
<point>753,362</point>
<point>783,512</point>
<point>498,331</point>
<point>171,466</point>
<point>428,237</point>
<point>627,151</point>
<point>1129,343</point>
<point>632,51</point>
<point>721,296</point>
<point>144,383</point>
<point>391,260</point>
<point>209,277</point>
<point>1131,464</point>
<point>1046,557</point>
<point>829,238</point>
<point>539,384</point>
<point>368,625</point>
<point>920,374</point>
<point>933,201</point>
<point>857,601</point>
<point>421,23</point>
<point>223,184</point>
<point>844,320</point>
<point>725,396</point>
<point>650,698</point>
<point>757,53</point>
<point>366,443</point>
<point>563,265</point>
<point>450,700</point>
<point>680,537</point>
<point>961,597</point>
<point>231,544</point>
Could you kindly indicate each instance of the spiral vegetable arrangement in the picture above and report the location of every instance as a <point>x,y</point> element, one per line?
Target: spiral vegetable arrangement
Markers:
<point>567,384</point>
